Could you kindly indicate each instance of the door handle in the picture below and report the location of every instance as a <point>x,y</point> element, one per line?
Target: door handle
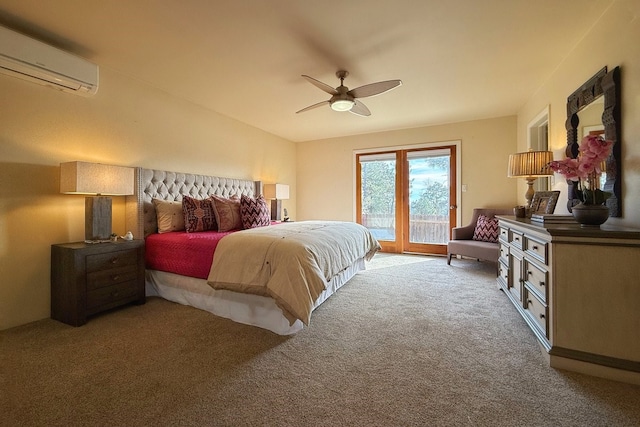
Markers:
<point>453,207</point>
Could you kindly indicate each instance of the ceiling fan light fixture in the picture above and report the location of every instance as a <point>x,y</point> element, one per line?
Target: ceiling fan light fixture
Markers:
<point>342,105</point>
<point>343,99</point>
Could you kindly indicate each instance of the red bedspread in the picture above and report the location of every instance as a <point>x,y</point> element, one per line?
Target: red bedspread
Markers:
<point>187,254</point>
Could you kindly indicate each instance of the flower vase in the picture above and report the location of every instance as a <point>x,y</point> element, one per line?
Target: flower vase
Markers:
<point>590,215</point>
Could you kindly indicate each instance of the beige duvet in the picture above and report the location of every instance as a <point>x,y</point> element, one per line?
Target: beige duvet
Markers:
<point>290,262</point>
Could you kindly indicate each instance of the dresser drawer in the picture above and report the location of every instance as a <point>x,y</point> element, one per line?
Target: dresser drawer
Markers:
<point>503,274</point>
<point>111,294</point>
<point>504,234</point>
<point>515,239</point>
<point>537,279</point>
<point>113,276</point>
<point>537,249</point>
<point>504,252</point>
<point>112,260</point>
<point>537,311</point>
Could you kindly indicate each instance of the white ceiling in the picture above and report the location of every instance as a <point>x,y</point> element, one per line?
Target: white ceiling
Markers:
<point>458,59</point>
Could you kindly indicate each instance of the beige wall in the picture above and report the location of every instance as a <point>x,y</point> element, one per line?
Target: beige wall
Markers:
<point>126,123</point>
<point>611,42</point>
<point>130,123</point>
<point>326,167</point>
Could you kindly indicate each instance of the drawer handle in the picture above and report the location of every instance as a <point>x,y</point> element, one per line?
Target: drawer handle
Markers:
<point>542,316</point>
<point>529,302</point>
<point>114,260</point>
<point>116,277</point>
<point>115,293</point>
<point>541,284</point>
<point>529,273</point>
<point>517,239</point>
<point>534,247</point>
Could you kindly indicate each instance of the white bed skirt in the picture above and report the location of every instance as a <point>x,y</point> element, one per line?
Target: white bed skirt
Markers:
<point>249,309</point>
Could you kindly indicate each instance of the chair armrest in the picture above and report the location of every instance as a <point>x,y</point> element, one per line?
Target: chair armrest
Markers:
<point>463,233</point>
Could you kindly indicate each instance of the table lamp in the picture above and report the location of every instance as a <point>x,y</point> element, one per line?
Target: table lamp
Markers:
<point>100,181</point>
<point>277,193</point>
<point>530,165</point>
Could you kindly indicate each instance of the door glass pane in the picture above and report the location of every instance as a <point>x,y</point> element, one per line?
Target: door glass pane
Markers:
<point>378,177</point>
<point>429,202</point>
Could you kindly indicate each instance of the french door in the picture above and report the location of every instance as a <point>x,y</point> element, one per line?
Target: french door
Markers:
<point>407,198</point>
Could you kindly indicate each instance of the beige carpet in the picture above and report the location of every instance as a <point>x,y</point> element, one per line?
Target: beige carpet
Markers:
<point>410,341</point>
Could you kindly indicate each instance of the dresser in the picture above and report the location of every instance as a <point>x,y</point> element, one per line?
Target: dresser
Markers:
<point>89,278</point>
<point>578,289</point>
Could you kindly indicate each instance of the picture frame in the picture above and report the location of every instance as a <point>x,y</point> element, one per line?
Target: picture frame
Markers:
<point>544,202</point>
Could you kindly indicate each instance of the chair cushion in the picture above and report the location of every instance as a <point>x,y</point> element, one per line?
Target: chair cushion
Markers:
<point>486,229</point>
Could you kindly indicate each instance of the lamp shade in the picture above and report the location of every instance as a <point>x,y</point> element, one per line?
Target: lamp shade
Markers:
<point>95,178</point>
<point>530,164</point>
<point>276,191</point>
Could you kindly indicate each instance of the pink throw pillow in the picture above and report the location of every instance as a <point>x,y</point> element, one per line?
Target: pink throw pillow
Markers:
<point>254,212</point>
<point>486,229</point>
<point>198,214</point>
<point>227,212</point>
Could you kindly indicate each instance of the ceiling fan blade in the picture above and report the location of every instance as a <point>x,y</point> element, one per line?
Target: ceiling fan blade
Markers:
<point>320,85</point>
<point>360,109</point>
<point>311,107</point>
<point>374,88</point>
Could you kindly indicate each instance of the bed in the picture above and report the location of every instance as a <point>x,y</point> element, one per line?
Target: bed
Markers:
<point>264,255</point>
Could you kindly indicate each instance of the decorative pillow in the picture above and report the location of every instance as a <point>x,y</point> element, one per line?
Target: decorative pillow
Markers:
<point>254,212</point>
<point>198,214</point>
<point>486,229</point>
<point>169,215</point>
<point>227,212</point>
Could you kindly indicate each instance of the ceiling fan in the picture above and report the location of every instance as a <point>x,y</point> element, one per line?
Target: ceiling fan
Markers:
<point>343,99</point>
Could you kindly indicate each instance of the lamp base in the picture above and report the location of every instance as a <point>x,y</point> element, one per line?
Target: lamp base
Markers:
<point>276,208</point>
<point>97,218</point>
<point>530,191</point>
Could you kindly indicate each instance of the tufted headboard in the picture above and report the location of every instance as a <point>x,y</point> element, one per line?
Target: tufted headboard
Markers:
<point>156,184</point>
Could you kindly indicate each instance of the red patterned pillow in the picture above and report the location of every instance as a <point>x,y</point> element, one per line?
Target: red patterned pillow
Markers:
<point>227,212</point>
<point>486,229</point>
<point>198,214</point>
<point>254,212</point>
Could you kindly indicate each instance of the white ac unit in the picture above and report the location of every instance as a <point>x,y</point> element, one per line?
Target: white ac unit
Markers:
<point>29,59</point>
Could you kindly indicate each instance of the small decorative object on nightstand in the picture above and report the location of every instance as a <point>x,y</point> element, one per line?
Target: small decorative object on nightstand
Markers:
<point>87,279</point>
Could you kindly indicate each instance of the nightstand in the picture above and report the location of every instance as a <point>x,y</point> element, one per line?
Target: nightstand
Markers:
<point>88,278</point>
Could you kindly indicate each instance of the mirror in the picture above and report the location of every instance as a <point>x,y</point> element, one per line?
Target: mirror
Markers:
<point>604,88</point>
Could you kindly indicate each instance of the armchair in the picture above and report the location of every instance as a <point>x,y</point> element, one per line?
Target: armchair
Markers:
<point>462,242</point>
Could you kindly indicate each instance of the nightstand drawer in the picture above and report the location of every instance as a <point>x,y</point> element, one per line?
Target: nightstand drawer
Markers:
<point>100,279</point>
<point>111,260</point>
<point>110,294</point>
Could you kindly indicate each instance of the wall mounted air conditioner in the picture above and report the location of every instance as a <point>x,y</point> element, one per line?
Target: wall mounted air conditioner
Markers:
<point>29,59</point>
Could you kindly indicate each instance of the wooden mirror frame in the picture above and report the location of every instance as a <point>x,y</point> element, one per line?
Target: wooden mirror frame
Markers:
<point>607,84</point>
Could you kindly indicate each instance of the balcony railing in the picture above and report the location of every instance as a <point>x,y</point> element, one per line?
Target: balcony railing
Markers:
<point>433,229</point>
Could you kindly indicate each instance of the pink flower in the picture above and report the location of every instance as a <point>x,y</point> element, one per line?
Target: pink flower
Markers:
<point>570,168</point>
<point>594,149</point>
<point>585,169</point>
